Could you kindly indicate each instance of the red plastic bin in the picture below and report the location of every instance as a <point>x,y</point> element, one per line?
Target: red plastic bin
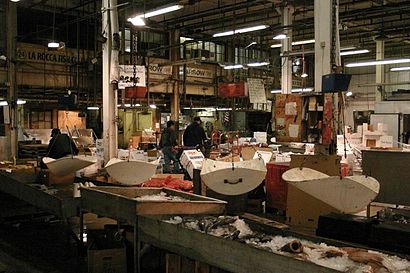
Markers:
<point>276,187</point>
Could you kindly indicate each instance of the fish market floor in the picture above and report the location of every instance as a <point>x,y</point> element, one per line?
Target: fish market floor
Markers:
<point>37,248</point>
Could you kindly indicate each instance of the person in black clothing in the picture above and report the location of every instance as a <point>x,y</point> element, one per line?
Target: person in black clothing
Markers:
<point>167,143</point>
<point>60,145</point>
<point>194,134</point>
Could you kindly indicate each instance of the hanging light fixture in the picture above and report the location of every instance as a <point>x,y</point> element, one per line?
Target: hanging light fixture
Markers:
<point>53,43</point>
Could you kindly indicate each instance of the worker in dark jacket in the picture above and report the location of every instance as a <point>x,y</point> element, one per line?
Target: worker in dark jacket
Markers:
<point>60,145</point>
<point>194,134</point>
<point>167,143</point>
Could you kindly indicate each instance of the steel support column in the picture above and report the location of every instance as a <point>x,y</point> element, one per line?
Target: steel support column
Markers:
<point>287,19</point>
<point>175,56</point>
<point>379,71</point>
<point>110,60</point>
<point>12,129</point>
<point>323,40</point>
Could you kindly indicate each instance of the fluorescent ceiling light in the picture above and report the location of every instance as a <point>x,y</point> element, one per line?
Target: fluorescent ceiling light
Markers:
<point>3,103</point>
<point>226,33</point>
<point>280,37</point>
<point>250,29</point>
<point>304,42</point>
<point>235,66</point>
<point>377,62</point>
<point>348,48</point>
<point>304,75</point>
<point>307,89</point>
<point>256,64</point>
<point>241,30</point>
<point>53,44</point>
<point>21,102</point>
<point>349,93</point>
<point>403,68</point>
<point>137,21</point>
<point>93,108</point>
<point>15,1</point>
<point>162,11</point>
<point>152,106</point>
<point>276,46</point>
<point>354,52</point>
<point>223,109</point>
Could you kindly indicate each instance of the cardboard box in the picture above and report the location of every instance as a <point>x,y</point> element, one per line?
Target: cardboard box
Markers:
<point>302,209</point>
<point>106,253</point>
<point>107,260</point>
<point>49,178</point>
<point>152,153</point>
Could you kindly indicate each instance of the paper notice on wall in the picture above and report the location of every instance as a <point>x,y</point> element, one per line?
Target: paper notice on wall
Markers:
<point>6,114</point>
<point>127,76</point>
<point>293,130</point>
<point>256,90</point>
<point>290,109</point>
<point>280,121</point>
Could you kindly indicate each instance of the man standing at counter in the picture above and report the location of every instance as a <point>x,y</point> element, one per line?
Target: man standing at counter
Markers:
<point>194,134</point>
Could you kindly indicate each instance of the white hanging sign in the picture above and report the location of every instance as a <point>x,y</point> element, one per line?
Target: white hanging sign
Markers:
<point>127,74</point>
<point>256,89</point>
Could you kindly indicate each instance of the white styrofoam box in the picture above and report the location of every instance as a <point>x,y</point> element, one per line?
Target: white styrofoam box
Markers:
<point>138,155</point>
<point>283,158</point>
<point>310,148</point>
<point>386,141</point>
<point>381,127</point>
<point>261,137</point>
<point>191,159</point>
<point>360,130</point>
<point>191,155</point>
<point>243,140</point>
<point>340,139</point>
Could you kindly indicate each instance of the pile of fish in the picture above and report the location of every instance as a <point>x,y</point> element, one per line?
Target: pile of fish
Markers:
<point>169,182</point>
<point>344,259</point>
<point>389,215</point>
<point>162,196</point>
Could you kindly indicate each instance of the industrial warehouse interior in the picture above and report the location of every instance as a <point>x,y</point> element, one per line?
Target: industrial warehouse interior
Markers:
<point>205,136</point>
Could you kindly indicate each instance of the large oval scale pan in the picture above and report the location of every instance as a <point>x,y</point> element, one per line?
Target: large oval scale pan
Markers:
<point>233,178</point>
<point>68,165</point>
<point>131,172</point>
<point>348,194</point>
